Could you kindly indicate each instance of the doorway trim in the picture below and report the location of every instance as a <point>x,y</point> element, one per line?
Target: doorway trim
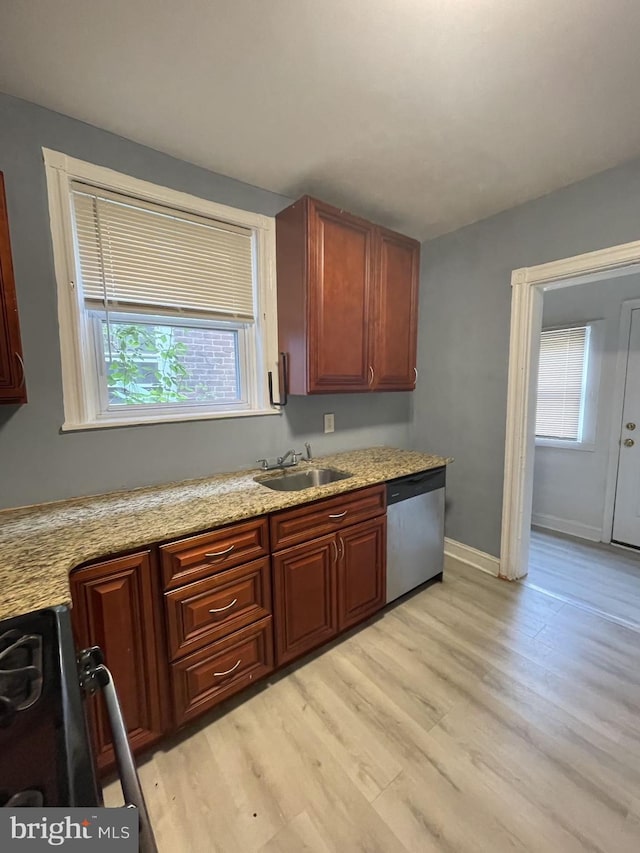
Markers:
<point>528,285</point>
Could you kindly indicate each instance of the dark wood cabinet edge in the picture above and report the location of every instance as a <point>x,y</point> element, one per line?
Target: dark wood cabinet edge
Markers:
<point>16,393</point>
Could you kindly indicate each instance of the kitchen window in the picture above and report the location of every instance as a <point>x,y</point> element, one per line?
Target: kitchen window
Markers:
<point>567,386</point>
<point>166,301</point>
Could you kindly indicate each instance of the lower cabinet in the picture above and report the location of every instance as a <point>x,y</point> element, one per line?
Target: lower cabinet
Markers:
<point>327,585</point>
<point>184,632</point>
<point>305,597</point>
<point>361,571</point>
<point>117,605</point>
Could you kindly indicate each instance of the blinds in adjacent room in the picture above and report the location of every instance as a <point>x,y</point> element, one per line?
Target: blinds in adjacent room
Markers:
<point>561,382</point>
<point>133,253</point>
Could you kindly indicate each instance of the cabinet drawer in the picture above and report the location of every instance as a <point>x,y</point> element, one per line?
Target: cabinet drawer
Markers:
<point>293,526</point>
<point>209,609</point>
<point>205,678</point>
<point>200,556</point>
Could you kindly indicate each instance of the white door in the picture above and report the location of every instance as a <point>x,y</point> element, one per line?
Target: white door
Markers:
<point>626,519</point>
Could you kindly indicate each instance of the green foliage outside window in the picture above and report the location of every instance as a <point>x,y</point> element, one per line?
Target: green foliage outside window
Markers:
<point>144,364</point>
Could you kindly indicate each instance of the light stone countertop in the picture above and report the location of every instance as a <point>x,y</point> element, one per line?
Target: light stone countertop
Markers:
<point>39,545</point>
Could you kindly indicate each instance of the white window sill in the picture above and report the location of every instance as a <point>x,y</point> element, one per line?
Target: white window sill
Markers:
<point>174,417</point>
<point>561,444</point>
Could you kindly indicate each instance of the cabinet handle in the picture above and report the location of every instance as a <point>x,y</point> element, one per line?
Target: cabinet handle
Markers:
<point>21,363</point>
<point>339,514</point>
<point>213,554</point>
<point>222,609</point>
<point>341,541</point>
<point>335,551</point>
<point>228,671</point>
<point>415,375</point>
<point>371,375</point>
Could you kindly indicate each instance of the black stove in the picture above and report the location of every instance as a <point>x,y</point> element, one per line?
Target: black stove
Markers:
<point>45,752</point>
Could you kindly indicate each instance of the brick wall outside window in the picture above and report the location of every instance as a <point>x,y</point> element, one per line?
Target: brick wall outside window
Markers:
<point>210,361</point>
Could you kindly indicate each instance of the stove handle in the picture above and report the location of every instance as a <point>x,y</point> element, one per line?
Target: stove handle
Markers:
<point>129,780</point>
<point>95,676</point>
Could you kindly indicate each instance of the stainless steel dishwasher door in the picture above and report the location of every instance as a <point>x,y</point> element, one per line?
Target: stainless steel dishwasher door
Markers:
<point>415,542</point>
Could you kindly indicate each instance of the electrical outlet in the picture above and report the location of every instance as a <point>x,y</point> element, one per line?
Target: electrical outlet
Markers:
<point>329,423</point>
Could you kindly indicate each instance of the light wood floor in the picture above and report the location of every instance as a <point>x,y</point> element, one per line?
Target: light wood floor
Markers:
<point>477,716</point>
<point>603,577</point>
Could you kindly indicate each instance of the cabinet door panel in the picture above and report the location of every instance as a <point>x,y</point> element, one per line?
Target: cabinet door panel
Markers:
<point>361,571</point>
<point>304,580</point>
<point>114,607</point>
<point>394,345</point>
<point>339,300</point>
<point>12,383</point>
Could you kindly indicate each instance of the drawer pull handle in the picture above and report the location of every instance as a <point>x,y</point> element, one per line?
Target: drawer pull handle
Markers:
<point>339,514</point>
<point>228,671</point>
<point>21,363</point>
<point>213,554</point>
<point>222,609</point>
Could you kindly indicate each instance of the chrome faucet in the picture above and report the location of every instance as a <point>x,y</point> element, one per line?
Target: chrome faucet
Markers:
<point>290,458</point>
<point>289,453</point>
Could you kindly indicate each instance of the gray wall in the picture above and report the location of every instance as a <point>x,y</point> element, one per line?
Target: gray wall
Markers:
<point>465,303</point>
<point>37,462</point>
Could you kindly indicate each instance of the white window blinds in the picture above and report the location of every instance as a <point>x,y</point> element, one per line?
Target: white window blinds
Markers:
<point>561,383</point>
<point>133,253</point>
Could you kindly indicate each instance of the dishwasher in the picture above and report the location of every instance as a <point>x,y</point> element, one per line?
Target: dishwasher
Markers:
<point>415,531</point>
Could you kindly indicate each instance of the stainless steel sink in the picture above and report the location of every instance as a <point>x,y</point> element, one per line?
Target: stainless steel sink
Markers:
<point>298,480</point>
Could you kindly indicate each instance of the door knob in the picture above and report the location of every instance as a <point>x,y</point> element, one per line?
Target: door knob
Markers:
<point>629,442</point>
<point>630,425</point>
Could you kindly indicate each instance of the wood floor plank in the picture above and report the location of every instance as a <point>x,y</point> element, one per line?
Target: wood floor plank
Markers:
<point>300,835</point>
<point>477,715</point>
<point>597,575</point>
<point>613,714</point>
<point>559,776</point>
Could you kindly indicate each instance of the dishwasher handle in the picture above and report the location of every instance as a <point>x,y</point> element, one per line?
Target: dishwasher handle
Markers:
<point>416,484</point>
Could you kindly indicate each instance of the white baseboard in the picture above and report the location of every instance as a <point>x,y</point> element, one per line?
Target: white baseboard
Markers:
<point>471,557</point>
<point>566,525</point>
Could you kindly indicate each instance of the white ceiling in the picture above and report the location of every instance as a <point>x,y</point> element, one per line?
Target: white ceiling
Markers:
<point>423,114</point>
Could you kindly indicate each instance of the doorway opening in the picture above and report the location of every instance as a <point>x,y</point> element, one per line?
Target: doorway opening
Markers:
<point>614,265</point>
<point>590,334</point>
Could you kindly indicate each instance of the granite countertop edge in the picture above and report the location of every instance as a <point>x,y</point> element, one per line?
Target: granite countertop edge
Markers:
<point>40,545</point>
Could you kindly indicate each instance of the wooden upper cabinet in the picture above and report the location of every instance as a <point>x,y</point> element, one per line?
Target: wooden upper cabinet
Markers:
<point>340,255</point>
<point>347,301</point>
<point>398,269</point>
<point>12,380</point>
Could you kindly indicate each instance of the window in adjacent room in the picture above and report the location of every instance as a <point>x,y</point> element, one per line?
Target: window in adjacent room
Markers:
<point>166,301</point>
<point>567,386</point>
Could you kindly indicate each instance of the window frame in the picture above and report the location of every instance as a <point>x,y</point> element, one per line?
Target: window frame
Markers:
<point>246,345</point>
<point>590,386</point>
<point>82,404</point>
